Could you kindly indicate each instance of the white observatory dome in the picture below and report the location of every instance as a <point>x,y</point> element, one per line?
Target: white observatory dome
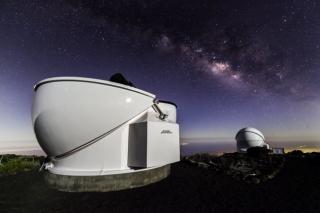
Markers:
<point>92,127</point>
<point>250,137</point>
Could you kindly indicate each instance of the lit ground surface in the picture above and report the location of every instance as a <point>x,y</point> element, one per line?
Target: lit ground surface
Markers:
<point>187,189</point>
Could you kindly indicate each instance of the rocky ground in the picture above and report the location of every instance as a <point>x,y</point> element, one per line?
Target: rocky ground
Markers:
<point>256,166</point>
<point>202,183</point>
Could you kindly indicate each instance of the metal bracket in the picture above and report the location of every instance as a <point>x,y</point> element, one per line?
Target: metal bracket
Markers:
<point>162,116</point>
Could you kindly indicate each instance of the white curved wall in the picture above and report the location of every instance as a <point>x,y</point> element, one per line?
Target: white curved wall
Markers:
<point>67,114</point>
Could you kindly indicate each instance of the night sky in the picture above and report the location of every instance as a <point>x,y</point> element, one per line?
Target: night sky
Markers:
<point>226,64</point>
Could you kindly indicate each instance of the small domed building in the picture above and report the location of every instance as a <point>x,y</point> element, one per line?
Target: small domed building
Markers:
<point>250,137</point>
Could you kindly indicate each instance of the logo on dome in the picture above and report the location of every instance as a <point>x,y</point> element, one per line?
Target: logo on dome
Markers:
<point>166,131</point>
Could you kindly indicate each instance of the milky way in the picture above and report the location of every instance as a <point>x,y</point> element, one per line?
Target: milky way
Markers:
<point>227,64</point>
<point>248,45</point>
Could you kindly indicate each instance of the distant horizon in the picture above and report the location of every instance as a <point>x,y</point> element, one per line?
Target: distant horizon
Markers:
<point>188,146</point>
<point>193,139</point>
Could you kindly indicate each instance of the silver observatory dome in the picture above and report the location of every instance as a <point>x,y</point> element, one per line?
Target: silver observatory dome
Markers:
<point>250,137</point>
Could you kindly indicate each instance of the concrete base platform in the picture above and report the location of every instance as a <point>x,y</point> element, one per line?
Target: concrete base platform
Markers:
<point>106,183</point>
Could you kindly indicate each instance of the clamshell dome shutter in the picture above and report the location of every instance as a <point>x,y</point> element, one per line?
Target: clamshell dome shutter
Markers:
<point>249,137</point>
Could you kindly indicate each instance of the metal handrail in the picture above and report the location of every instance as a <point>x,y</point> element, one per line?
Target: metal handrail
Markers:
<point>162,116</point>
<point>70,152</point>
<point>155,106</point>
